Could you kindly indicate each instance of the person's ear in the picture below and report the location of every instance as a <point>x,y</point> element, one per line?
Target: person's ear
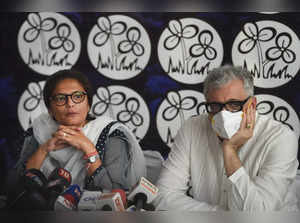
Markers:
<point>51,114</point>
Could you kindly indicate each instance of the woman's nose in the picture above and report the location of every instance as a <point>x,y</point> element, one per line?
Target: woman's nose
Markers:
<point>70,102</point>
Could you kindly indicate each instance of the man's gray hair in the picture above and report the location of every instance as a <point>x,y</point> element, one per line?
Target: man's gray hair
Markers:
<point>218,77</point>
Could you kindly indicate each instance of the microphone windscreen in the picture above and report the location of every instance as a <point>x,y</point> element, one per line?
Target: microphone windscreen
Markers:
<point>146,187</point>
<point>34,179</point>
<point>140,200</point>
<point>59,180</point>
<point>140,196</point>
<point>73,191</point>
<point>122,194</point>
<point>114,200</point>
<point>32,197</point>
<point>106,208</point>
<point>69,199</point>
<point>88,200</point>
<point>60,173</point>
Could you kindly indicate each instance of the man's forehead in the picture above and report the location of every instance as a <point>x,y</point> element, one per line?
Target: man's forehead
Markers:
<point>233,90</point>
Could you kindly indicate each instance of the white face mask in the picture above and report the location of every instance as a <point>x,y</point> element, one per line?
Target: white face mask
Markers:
<point>226,123</point>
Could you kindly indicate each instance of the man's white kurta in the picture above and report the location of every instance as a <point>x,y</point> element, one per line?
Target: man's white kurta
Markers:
<point>269,160</point>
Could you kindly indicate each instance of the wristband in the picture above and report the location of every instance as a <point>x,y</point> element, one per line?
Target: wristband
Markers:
<point>90,154</point>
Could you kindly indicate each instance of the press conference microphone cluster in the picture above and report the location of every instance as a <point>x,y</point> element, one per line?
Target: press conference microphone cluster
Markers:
<point>142,196</point>
<point>33,191</point>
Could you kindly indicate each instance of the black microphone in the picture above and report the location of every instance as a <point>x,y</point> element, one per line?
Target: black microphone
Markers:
<point>140,205</point>
<point>106,208</point>
<point>149,207</point>
<point>30,192</point>
<point>58,181</point>
<point>142,195</point>
<point>140,200</point>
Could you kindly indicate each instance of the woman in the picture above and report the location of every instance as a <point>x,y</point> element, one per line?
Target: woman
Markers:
<point>99,153</point>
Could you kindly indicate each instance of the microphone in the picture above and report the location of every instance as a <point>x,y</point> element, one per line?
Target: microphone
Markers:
<point>113,200</point>
<point>122,194</point>
<point>29,192</point>
<point>88,199</point>
<point>69,199</point>
<point>106,208</point>
<point>58,181</point>
<point>143,194</point>
<point>140,199</point>
<point>147,207</point>
<point>34,178</point>
<point>96,200</point>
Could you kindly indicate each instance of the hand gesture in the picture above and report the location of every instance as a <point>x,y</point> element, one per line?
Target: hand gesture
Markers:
<point>53,144</point>
<point>73,136</point>
<point>245,131</point>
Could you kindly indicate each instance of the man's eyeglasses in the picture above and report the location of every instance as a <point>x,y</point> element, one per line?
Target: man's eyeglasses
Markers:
<point>232,106</point>
<point>61,99</point>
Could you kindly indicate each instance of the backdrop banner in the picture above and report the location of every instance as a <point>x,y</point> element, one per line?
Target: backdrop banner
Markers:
<point>147,68</point>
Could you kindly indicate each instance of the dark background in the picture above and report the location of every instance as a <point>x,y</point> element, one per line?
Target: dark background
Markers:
<point>15,75</point>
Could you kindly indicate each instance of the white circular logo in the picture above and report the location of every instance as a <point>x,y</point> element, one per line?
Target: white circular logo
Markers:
<point>279,110</point>
<point>125,105</point>
<point>48,42</point>
<point>177,107</point>
<point>31,104</point>
<point>188,48</point>
<point>269,50</point>
<point>119,47</point>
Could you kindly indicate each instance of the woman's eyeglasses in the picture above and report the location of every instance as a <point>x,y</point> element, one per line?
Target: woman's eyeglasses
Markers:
<point>232,106</point>
<point>61,99</point>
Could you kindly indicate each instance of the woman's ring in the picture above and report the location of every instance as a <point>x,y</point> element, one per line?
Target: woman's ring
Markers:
<point>248,126</point>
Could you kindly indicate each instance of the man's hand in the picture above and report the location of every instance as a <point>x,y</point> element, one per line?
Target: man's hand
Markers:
<point>245,131</point>
<point>231,146</point>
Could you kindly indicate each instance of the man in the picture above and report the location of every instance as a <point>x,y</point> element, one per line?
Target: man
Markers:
<point>231,158</point>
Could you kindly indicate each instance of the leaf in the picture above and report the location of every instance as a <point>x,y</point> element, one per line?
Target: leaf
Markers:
<point>118,28</point>
<point>175,27</point>
<point>104,24</point>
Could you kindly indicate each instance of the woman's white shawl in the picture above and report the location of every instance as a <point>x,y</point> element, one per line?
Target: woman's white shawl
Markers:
<point>71,158</point>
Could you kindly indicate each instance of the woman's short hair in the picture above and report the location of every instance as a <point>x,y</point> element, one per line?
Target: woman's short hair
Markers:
<point>58,76</point>
<point>218,77</point>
